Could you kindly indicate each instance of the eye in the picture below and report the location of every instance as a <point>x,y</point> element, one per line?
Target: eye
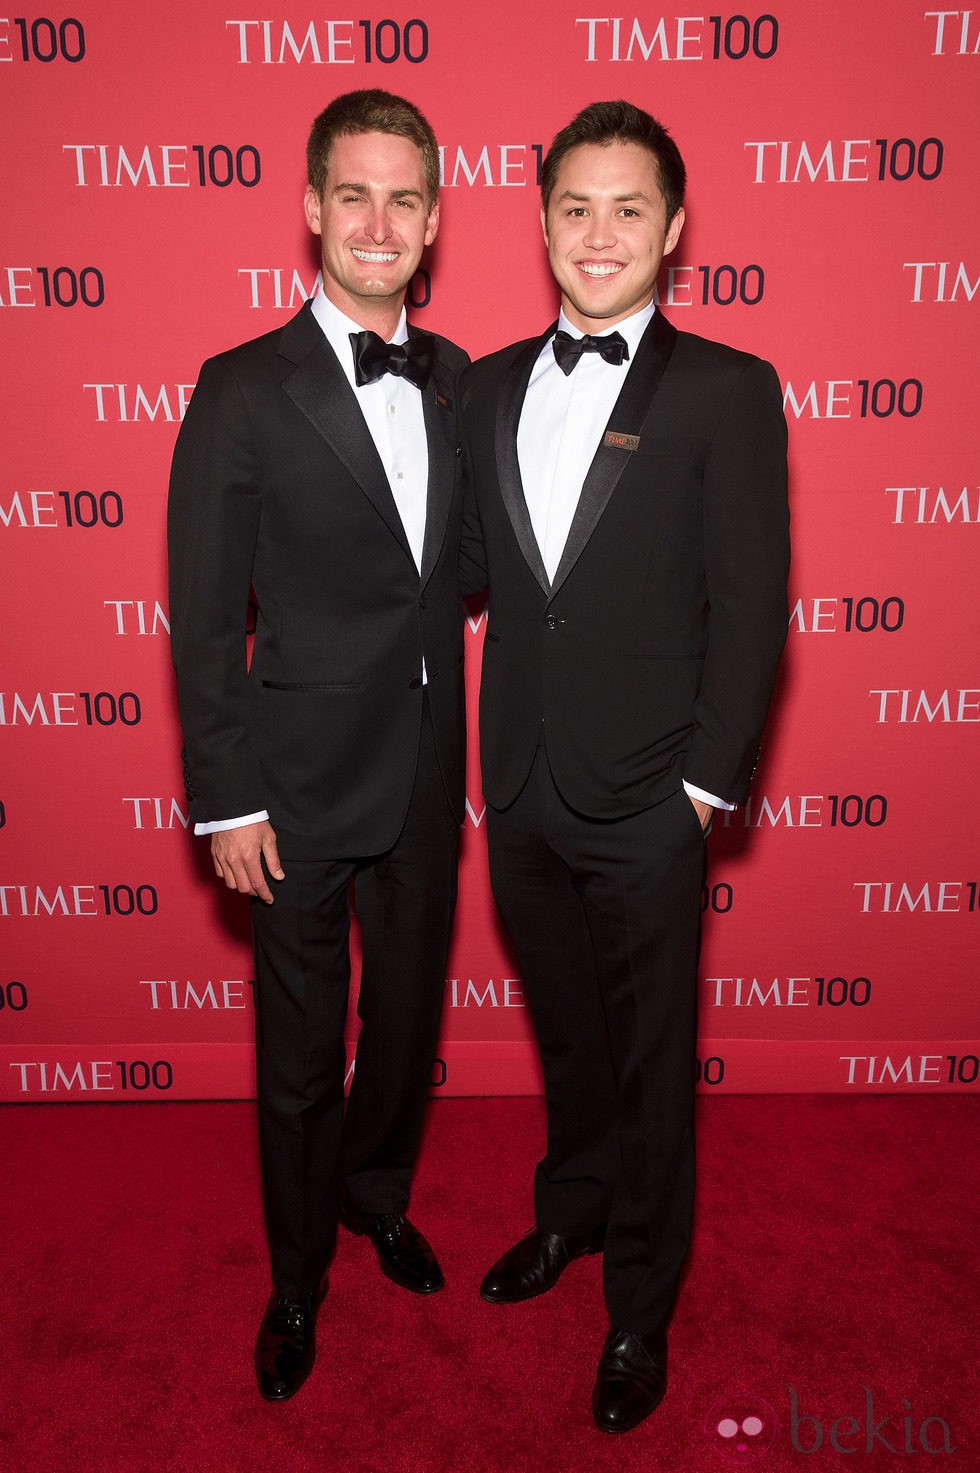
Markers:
<point>628,213</point>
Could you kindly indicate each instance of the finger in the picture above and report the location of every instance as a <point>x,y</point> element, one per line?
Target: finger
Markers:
<point>271,853</point>
<point>233,869</point>
<point>224,863</point>
<point>237,878</point>
<point>255,881</point>
<point>225,872</point>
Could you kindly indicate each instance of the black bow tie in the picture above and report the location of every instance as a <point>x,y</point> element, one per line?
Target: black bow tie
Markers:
<point>373,358</point>
<point>568,350</point>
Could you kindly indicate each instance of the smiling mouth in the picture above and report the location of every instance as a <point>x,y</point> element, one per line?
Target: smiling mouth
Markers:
<point>374,258</point>
<point>599,269</point>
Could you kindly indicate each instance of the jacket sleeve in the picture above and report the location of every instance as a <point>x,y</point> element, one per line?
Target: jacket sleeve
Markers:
<point>746,560</point>
<point>212,524</point>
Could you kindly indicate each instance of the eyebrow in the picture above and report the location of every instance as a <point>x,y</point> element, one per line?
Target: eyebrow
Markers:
<point>619,199</point>
<point>359,187</point>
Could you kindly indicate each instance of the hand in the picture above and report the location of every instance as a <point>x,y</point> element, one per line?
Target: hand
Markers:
<point>705,813</point>
<point>238,854</point>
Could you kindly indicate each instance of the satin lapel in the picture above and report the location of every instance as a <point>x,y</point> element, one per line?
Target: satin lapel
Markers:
<point>438,409</point>
<point>317,386</point>
<point>630,415</point>
<point>508,465</point>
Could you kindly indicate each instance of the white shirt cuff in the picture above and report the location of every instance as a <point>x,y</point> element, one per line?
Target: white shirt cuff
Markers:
<point>703,797</point>
<point>219,825</point>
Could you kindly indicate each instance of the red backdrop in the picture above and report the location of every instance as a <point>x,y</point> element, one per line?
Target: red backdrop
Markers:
<point>152,166</point>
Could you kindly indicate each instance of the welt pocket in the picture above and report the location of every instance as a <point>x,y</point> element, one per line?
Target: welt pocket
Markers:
<point>310,686</point>
<point>493,638</point>
<point>663,454</point>
<point>663,655</point>
<point>669,444</point>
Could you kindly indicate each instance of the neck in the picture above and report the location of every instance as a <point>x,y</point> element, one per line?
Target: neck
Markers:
<point>596,326</point>
<point>380,315</point>
<point>382,322</point>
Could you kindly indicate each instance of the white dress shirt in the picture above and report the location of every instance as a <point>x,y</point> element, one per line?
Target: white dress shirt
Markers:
<point>562,421</point>
<point>392,409</point>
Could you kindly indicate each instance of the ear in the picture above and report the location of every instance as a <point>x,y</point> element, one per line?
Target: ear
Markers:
<point>311,206</point>
<point>544,225</point>
<point>432,224</point>
<point>674,232</point>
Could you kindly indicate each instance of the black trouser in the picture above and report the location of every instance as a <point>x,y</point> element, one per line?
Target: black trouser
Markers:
<point>605,918</point>
<point>311,1148</point>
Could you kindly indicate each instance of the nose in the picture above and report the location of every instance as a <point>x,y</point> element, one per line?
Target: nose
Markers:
<point>600,234</point>
<point>378,227</point>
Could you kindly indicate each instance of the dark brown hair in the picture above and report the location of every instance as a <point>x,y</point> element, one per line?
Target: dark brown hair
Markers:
<point>371,111</point>
<point>620,122</point>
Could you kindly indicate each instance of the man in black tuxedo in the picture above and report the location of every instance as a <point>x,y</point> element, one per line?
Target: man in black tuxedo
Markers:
<point>318,466</point>
<point>630,515</point>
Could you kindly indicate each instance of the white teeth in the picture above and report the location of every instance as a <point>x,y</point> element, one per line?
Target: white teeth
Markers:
<point>373,257</point>
<point>595,270</point>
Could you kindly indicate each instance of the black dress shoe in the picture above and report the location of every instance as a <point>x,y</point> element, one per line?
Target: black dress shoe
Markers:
<point>403,1253</point>
<point>286,1346</point>
<point>631,1380</point>
<point>535,1264</point>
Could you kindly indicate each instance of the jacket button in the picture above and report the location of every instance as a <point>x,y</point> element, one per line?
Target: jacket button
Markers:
<point>551,621</point>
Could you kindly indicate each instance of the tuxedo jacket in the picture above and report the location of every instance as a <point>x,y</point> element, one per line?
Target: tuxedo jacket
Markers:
<point>277,486</point>
<point>650,657</point>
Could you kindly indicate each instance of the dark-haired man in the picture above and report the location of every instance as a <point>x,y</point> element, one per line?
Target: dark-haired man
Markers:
<point>318,465</point>
<point>630,516</point>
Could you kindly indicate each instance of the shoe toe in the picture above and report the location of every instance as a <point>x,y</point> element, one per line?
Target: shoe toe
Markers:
<point>631,1381</point>
<point>285,1348</point>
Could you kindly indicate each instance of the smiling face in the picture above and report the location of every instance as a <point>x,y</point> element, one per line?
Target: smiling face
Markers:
<point>606,232</point>
<point>373,222</point>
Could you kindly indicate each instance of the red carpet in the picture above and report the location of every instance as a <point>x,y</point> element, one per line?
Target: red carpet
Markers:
<point>834,1266</point>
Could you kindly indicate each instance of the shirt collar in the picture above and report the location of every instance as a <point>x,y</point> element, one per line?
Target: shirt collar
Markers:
<point>631,328</point>
<point>337,327</point>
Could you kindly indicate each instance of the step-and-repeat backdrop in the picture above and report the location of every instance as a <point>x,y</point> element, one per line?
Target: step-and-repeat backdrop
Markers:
<point>152,168</point>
